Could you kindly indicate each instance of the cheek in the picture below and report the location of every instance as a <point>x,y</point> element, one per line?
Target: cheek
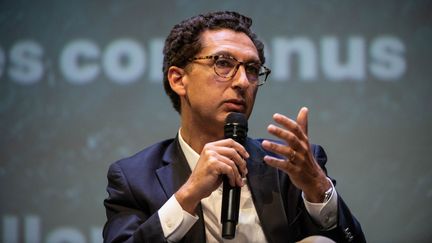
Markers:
<point>250,99</point>
<point>205,94</point>
<point>251,94</point>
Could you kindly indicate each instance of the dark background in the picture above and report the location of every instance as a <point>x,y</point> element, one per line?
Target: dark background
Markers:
<point>63,120</point>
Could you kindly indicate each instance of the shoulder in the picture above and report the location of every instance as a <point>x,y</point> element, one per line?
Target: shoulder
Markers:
<point>148,158</point>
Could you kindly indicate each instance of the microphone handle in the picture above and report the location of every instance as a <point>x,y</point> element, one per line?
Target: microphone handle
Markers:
<point>230,208</point>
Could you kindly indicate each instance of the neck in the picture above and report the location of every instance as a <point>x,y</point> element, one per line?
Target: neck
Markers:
<point>197,136</point>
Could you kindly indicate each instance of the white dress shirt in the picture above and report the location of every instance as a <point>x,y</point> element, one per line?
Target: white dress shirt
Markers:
<point>176,222</point>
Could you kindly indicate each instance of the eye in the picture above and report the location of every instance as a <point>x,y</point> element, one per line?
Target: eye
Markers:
<point>224,62</point>
<point>253,69</point>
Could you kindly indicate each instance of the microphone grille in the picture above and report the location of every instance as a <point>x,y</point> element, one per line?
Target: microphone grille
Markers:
<point>236,127</point>
<point>238,119</point>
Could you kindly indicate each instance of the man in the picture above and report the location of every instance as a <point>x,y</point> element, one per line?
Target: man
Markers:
<point>171,191</point>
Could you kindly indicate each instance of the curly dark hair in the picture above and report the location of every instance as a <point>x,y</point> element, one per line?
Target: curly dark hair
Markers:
<point>183,41</point>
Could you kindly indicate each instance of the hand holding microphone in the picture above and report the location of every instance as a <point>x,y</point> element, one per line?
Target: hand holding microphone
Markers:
<point>222,157</point>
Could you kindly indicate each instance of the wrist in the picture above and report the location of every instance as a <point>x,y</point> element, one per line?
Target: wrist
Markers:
<point>320,193</point>
<point>186,199</point>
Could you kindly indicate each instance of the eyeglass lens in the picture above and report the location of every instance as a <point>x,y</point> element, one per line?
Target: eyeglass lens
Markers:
<point>227,68</point>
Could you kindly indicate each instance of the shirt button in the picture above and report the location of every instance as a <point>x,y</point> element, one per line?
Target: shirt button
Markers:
<point>169,223</point>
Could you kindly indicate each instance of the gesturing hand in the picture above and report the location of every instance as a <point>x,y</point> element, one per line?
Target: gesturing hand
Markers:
<point>223,157</point>
<point>299,162</point>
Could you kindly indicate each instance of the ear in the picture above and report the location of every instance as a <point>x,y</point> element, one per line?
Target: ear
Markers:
<point>176,80</point>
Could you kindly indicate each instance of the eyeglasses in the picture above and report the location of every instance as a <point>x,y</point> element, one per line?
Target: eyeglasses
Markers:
<point>226,67</point>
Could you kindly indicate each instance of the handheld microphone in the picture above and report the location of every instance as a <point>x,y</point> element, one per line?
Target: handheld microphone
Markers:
<point>236,127</point>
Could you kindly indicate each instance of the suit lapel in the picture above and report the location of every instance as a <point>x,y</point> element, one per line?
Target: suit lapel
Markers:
<point>172,176</point>
<point>175,171</point>
<point>264,184</point>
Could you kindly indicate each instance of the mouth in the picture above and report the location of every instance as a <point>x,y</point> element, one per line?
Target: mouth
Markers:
<point>235,105</point>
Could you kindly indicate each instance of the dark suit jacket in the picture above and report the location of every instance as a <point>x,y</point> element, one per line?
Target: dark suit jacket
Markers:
<point>138,186</point>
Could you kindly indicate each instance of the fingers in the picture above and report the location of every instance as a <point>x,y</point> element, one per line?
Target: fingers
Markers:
<point>233,158</point>
<point>289,137</point>
<point>287,151</point>
<point>227,157</point>
<point>296,149</point>
<point>302,119</point>
<point>293,126</point>
<point>229,168</point>
<point>230,143</point>
<point>281,164</point>
<point>234,152</point>
<point>294,133</point>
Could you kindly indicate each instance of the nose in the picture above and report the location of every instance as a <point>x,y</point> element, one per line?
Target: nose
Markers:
<point>240,79</point>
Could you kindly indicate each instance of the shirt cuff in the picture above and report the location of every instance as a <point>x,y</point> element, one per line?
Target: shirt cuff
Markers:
<point>325,214</point>
<point>175,221</point>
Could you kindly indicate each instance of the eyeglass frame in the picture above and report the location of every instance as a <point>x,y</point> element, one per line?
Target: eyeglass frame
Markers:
<point>236,67</point>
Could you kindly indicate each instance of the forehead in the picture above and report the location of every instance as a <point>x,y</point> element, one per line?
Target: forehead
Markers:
<point>236,44</point>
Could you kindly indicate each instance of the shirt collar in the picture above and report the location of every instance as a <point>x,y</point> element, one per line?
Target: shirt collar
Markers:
<point>190,154</point>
